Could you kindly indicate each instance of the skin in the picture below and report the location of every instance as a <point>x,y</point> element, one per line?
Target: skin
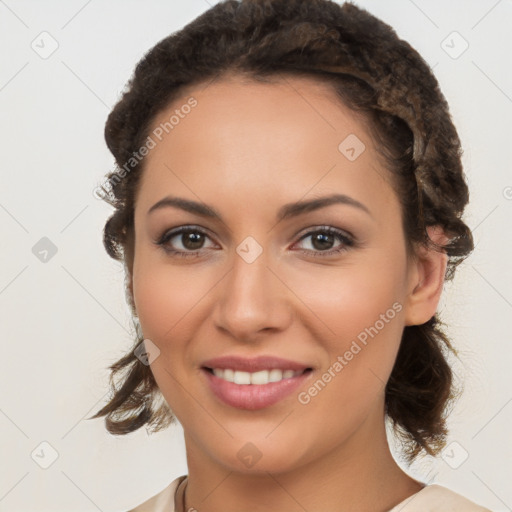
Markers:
<point>247,149</point>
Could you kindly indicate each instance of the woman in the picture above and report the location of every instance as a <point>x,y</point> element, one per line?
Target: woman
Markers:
<point>288,205</point>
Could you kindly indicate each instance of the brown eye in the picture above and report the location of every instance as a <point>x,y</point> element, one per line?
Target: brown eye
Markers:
<point>192,240</point>
<point>323,241</point>
<point>185,241</point>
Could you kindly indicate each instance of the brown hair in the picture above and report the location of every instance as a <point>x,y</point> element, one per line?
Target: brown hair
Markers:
<point>374,73</point>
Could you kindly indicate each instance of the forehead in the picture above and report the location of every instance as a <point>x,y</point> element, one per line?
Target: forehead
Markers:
<point>243,136</point>
<point>244,110</point>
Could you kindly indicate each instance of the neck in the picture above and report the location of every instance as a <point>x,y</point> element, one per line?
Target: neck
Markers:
<point>359,474</point>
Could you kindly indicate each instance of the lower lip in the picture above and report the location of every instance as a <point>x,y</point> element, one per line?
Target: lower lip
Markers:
<point>253,396</point>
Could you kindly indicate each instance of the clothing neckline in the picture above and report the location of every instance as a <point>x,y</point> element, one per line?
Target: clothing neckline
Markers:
<point>179,497</point>
<point>409,498</point>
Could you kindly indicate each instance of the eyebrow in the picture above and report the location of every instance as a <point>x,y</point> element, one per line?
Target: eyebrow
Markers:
<point>285,212</point>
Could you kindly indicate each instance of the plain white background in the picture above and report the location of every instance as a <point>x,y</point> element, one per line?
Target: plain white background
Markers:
<point>65,320</point>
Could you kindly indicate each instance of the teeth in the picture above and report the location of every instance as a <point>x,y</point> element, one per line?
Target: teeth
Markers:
<point>261,377</point>
<point>242,378</point>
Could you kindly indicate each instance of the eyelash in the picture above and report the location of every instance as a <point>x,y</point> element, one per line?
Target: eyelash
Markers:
<point>347,241</point>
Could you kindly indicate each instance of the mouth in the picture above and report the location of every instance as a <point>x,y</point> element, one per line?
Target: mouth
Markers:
<point>254,390</point>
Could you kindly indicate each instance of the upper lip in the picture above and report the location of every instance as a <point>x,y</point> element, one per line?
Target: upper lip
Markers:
<point>254,364</point>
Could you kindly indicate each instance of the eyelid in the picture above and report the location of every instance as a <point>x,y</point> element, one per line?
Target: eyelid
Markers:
<point>167,234</point>
<point>325,227</point>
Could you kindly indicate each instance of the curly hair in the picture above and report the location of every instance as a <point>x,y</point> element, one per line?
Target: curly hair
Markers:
<point>397,95</point>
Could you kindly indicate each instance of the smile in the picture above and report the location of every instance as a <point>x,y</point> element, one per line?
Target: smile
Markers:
<point>254,390</point>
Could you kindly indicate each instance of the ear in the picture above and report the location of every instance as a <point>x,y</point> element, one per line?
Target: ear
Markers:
<point>426,278</point>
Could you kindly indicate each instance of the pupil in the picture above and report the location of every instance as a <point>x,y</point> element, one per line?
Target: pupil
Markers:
<point>191,239</point>
<point>323,238</point>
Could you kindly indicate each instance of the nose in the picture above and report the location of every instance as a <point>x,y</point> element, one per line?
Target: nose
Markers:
<point>252,298</point>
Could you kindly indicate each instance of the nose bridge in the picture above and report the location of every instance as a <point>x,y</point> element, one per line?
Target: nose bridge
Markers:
<point>251,297</point>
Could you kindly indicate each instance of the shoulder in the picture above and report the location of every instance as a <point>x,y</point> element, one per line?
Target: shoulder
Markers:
<point>436,498</point>
<point>161,502</point>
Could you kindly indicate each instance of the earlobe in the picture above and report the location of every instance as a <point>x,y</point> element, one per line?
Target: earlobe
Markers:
<point>426,279</point>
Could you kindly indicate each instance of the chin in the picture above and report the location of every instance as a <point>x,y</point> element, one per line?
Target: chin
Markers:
<point>262,456</point>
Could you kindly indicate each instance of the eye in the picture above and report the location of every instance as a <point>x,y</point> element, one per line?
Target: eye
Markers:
<point>323,238</point>
<point>190,238</point>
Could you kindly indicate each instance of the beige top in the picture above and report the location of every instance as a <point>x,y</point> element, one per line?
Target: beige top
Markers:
<point>432,498</point>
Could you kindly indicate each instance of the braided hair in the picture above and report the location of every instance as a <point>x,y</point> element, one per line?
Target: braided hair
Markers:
<point>374,73</point>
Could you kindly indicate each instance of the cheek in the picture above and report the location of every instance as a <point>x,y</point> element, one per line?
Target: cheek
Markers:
<point>164,297</point>
<point>357,317</point>
<point>165,300</point>
<point>367,323</point>
<point>347,300</point>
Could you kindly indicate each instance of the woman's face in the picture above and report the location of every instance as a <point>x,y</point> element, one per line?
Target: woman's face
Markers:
<point>265,278</point>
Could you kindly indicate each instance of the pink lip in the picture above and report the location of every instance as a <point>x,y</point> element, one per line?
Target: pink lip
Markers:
<point>255,364</point>
<point>252,396</point>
